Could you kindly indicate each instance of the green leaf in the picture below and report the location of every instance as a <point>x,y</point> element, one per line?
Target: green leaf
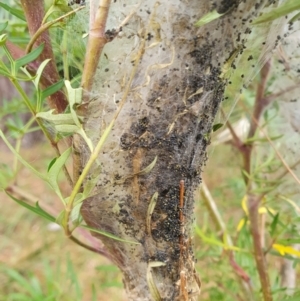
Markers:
<point>109,235</point>
<point>20,280</point>
<point>37,209</point>
<point>4,72</point>
<point>45,213</point>
<point>16,12</point>
<point>66,128</point>
<point>76,216</point>
<point>57,8</point>
<point>50,164</point>
<point>60,220</point>
<point>24,162</point>
<point>6,175</point>
<point>3,26</point>
<point>284,9</point>
<point>39,72</point>
<point>274,224</point>
<point>55,169</point>
<point>211,16</point>
<point>150,210</point>
<point>75,98</point>
<point>57,119</point>
<point>217,126</point>
<point>289,241</point>
<point>52,89</point>
<point>34,54</point>
<point>90,184</point>
<point>256,139</point>
<point>3,39</point>
<point>295,18</point>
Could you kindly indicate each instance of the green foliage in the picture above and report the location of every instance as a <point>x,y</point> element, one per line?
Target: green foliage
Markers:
<point>67,123</point>
<point>50,286</point>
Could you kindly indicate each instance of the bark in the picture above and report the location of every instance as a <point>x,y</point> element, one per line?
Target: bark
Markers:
<point>170,78</point>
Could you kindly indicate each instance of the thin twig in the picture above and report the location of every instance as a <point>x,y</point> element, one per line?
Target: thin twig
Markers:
<point>27,197</point>
<point>96,43</point>
<point>46,26</point>
<point>254,201</point>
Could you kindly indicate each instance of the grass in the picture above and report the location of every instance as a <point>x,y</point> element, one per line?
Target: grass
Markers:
<point>37,263</point>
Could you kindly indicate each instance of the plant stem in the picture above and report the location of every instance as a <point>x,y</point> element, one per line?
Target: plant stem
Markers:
<point>96,43</point>
<point>45,27</point>
<point>254,201</point>
<point>41,125</point>
<point>261,265</point>
<point>34,13</point>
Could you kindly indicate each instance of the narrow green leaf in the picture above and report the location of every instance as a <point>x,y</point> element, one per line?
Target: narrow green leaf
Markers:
<point>256,139</point>
<point>91,183</point>
<point>6,175</point>
<point>39,72</point>
<point>217,126</point>
<point>24,162</point>
<point>19,279</point>
<point>52,89</point>
<point>16,12</point>
<point>57,119</point>
<point>150,210</point>
<point>50,164</point>
<point>37,209</point>
<point>148,168</point>
<point>28,57</point>
<point>55,170</point>
<point>150,280</point>
<point>3,39</point>
<point>76,216</point>
<point>46,214</point>
<point>75,98</point>
<point>286,8</point>
<point>66,128</point>
<point>211,16</point>
<point>57,8</point>
<point>295,18</point>
<point>87,140</point>
<point>60,220</point>
<point>4,72</point>
<point>289,241</point>
<point>274,224</point>
<point>3,26</point>
<point>140,173</point>
<point>112,236</point>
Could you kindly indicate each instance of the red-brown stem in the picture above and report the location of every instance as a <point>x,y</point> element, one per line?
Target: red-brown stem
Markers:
<point>261,265</point>
<point>34,13</point>
<point>254,201</point>
<point>259,106</point>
